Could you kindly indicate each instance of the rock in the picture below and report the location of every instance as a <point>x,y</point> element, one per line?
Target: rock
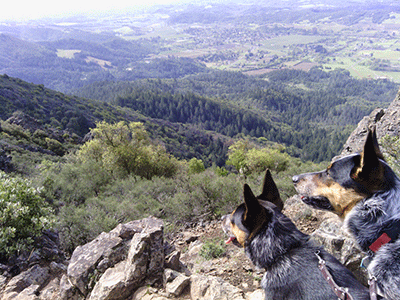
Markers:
<point>387,122</point>
<point>30,293</point>
<point>210,288</point>
<point>51,291</point>
<point>170,275</point>
<point>189,237</point>
<point>48,245</point>
<point>68,291</point>
<point>36,276</point>
<point>176,287</point>
<point>3,281</point>
<point>25,121</point>
<point>336,240</point>
<point>57,267</point>
<point>147,293</point>
<point>127,230</point>
<point>256,295</point>
<point>86,258</point>
<point>144,265</point>
<point>172,261</point>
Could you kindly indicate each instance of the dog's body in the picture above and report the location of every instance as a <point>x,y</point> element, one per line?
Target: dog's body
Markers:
<point>289,257</point>
<point>364,190</point>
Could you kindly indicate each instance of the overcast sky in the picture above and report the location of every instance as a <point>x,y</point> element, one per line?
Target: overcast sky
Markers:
<point>34,9</point>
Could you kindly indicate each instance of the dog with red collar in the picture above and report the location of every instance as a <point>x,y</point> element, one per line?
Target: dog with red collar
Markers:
<point>363,190</point>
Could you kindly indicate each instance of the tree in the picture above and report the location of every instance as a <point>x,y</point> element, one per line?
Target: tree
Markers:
<point>196,166</point>
<point>126,149</point>
<point>237,154</point>
<point>247,158</point>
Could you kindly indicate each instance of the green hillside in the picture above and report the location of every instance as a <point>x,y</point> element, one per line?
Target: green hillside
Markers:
<point>39,123</point>
<point>312,113</point>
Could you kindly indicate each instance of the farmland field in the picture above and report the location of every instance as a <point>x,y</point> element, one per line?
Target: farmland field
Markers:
<point>365,47</point>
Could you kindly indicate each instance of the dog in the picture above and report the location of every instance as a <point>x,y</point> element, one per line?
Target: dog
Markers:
<point>291,260</point>
<point>365,192</point>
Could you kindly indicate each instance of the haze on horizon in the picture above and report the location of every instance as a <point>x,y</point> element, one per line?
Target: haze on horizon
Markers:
<point>26,10</point>
<point>30,10</point>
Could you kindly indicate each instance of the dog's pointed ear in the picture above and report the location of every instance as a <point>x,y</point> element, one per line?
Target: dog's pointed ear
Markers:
<point>374,141</point>
<point>369,166</point>
<point>250,201</point>
<point>255,215</point>
<point>270,191</point>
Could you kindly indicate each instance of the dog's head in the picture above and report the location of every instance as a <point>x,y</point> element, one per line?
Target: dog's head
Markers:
<point>255,212</point>
<point>346,181</point>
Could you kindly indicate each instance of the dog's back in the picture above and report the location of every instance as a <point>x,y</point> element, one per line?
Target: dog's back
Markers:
<point>291,262</point>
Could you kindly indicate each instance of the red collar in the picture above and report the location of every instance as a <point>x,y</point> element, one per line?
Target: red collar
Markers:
<point>380,241</point>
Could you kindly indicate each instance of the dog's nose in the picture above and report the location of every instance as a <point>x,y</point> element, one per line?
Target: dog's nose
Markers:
<point>295,179</point>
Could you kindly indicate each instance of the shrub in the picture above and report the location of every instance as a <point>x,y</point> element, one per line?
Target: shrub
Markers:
<point>248,159</point>
<point>125,149</point>
<point>203,196</point>
<point>24,214</point>
<point>211,250</point>
<point>79,225</point>
<point>195,166</point>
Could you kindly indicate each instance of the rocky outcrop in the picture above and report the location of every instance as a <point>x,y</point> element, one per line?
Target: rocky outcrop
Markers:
<point>386,121</point>
<point>131,261</point>
<point>115,264</point>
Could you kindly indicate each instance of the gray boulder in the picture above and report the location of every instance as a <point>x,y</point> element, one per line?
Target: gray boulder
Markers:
<point>26,284</point>
<point>386,121</point>
<point>211,287</point>
<point>144,265</point>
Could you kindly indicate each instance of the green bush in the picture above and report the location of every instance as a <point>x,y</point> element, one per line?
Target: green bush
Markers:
<point>203,196</point>
<point>247,158</point>
<point>74,181</point>
<point>78,225</point>
<point>24,214</point>
<point>195,166</point>
<point>125,149</point>
<point>211,250</point>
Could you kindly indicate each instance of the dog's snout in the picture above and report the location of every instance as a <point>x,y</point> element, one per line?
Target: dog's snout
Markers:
<point>295,178</point>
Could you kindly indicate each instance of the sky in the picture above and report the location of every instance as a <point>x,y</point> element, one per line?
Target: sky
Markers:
<point>24,10</point>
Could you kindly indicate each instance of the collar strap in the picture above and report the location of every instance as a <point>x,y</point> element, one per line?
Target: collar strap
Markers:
<point>340,292</point>
<point>380,241</point>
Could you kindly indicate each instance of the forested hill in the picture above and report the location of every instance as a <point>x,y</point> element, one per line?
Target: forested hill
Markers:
<point>312,113</point>
<point>38,123</point>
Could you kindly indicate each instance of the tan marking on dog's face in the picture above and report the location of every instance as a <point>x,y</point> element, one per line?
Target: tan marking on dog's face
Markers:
<point>306,185</point>
<point>240,235</point>
<point>342,199</point>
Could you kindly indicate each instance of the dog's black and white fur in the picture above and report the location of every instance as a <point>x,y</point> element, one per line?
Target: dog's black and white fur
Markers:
<point>365,191</point>
<point>289,257</point>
